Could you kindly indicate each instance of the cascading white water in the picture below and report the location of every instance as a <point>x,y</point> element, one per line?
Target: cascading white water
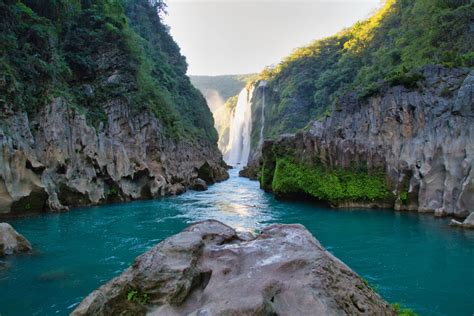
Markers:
<point>238,148</point>
<point>262,86</point>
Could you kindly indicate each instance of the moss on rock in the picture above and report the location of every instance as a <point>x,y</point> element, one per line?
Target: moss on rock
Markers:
<point>327,184</point>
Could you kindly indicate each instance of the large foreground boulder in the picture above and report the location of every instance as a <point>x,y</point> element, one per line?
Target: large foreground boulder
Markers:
<point>208,269</point>
<point>11,242</point>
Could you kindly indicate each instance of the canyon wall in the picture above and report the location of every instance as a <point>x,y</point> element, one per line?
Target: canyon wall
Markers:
<point>58,160</point>
<point>382,111</point>
<point>422,138</point>
<point>96,107</point>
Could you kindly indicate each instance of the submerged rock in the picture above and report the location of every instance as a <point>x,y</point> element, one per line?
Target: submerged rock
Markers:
<point>12,242</point>
<point>467,223</point>
<point>207,269</point>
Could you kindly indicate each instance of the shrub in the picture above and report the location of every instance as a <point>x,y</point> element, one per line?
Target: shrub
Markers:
<point>328,184</point>
<point>403,311</point>
<point>404,78</point>
<point>135,295</point>
<point>404,197</point>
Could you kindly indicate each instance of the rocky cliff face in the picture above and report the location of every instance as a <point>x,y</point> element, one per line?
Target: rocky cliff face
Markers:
<point>57,160</point>
<point>208,269</point>
<point>421,137</point>
<point>95,107</point>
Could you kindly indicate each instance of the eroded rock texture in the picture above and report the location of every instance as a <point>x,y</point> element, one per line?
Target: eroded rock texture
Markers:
<point>423,138</point>
<point>12,242</point>
<point>468,223</point>
<point>208,269</point>
<point>58,160</point>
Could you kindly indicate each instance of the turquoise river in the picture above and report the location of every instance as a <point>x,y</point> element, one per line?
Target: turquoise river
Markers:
<point>414,259</point>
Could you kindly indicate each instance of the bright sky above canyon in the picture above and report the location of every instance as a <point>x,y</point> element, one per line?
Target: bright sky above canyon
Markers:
<point>242,36</point>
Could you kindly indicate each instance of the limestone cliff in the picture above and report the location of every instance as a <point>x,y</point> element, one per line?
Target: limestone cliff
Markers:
<point>57,160</point>
<point>383,112</point>
<point>96,107</point>
<point>422,138</point>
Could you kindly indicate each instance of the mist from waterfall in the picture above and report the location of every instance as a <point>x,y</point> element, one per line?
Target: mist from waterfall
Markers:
<point>238,148</point>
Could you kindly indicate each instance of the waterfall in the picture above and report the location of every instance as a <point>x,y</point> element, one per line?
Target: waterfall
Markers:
<point>238,149</point>
<point>262,85</point>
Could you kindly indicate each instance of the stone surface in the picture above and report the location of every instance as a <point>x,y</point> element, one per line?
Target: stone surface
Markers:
<point>198,185</point>
<point>467,223</point>
<point>208,269</point>
<point>12,242</point>
<point>423,138</point>
<point>57,160</point>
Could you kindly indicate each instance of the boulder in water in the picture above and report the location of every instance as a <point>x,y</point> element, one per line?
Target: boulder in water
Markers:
<point>207,269</point>
<point>467,223</point>
<point>198,184</point>
<point>176,189</point>
<point>12,242</point>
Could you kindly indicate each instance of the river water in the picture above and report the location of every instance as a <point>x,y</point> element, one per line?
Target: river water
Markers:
<point>413,259</point>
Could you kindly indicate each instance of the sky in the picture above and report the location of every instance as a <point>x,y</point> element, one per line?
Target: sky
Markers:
<point>243,36</point>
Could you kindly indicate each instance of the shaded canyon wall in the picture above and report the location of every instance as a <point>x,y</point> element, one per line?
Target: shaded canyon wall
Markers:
<point>423,138</point>
<point>57,160</point>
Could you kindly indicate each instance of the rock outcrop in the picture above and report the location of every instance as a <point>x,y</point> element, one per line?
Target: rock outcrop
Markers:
<point>105,113</point>
<point>198,185</point>
<point>208,269</point>
<point>467,223</point>
<point>57,160</point>
<point>423,138</point>
<point>12,242</point>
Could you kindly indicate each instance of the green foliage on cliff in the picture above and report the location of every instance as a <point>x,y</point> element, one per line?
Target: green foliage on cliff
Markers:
<point>403,311</point>
<point>93,52</point>
<point>389,47</point>
<point>266,175</point>
<point>328,184</point>
<point>134,295</point>
<point>231,102</point>
<point>404,197</point>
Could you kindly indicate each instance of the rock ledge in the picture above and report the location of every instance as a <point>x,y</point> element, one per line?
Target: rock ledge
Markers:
<point>467,223</point>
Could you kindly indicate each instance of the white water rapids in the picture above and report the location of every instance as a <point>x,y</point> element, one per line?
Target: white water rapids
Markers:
<point>238,148</point>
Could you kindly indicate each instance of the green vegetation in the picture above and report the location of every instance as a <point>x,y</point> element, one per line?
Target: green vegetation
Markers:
<point>372,287</point>
<point>404,197</point>
<point>403,311</point>
<point>134,295</point>
<point>388,48</point>
<point>231,103</point>
<point>266,175</point>
<point>328,184</point>
<point>92,53</point>
<point>113,191</point>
